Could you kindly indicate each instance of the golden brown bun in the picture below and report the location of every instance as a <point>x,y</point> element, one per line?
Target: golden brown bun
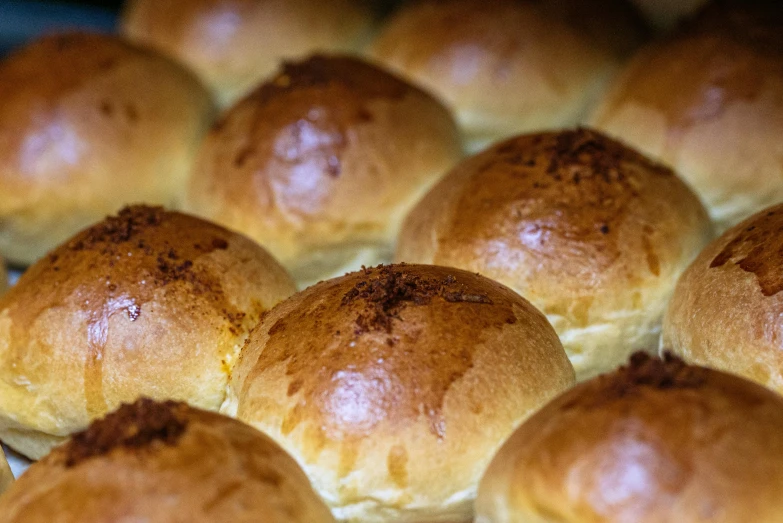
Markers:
<point>709,103</point>
<point>394,386</point>
<point>665,14</point>
<point>321,164</point>
<point>591,232</point>
<point>657,441</point>
<point>148,303</point>
<point>88,124</point>
<point>167,463</point>
<point>234,44</point>
<point>727,309</point>
<point>509,66</point>
<point>6,477</point>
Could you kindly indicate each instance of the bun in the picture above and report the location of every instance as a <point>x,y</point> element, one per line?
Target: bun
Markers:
<point>234,45</point>
<point>727,309</point>
<point>321,163</point>
<point>709,103</point>
<point>167,463</point>
<point>82,133</point>
<point>507,66</point>
<point>146,303</point>
<point>394,386</point>
<point>591,232</point>
<point>654,441</point>
<point>6,477</point>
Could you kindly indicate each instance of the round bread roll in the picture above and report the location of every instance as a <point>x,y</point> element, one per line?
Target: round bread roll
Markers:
<point>234,44</point>
<point>6,477</point>
<point>591,232</point>
<point>147,303</point>
<point>656,441</point>
<point>321,164</point>
<point>509,66</point>
<point>89,123</point>
<point>709,103</point>
<point>167,463</point>
<point>665,14</point>
<point>727,309</point>
<point>394,386</point>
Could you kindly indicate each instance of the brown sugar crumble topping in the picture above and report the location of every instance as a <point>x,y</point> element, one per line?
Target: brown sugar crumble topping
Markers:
<point>129,222</point>
<point>642,371</point>
<point>599,153</point>
<point>669,372</point>
<point>323,70</point>
<point>153,246</point>
<point>132,426</point>
<point>388,290</point>
<point>574,155</point>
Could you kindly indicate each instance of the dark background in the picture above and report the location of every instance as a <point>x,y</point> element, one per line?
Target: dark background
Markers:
<point>111,5</point>
<point>21,20</point>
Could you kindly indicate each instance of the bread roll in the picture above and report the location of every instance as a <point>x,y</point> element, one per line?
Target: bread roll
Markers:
<point>6,477</point>
<point>89,123</point>
<point>509,66</point>
<point>235,44</point>
<point>590,231</point>
<point>656,441</point>
<point>146,303</point>
<point>709,103</point>
<point>167,463</point>
<point>394,386</point>
<point>727,309</point>
<point>321,163</point>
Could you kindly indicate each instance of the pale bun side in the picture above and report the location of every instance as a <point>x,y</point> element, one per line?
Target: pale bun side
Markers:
<point>167,463</point>
<point>503,67</point>
<point>593,233</point>
<point>710,106</point>
<point>656,441</point>
<point>321,163</point>
<point>234,45</point>
<point>394,386</point>
<point>89,123</point>
<point>146,303</point>
<point>727,309</point>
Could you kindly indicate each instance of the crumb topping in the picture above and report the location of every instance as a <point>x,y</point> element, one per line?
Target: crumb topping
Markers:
<point>132,426</point>
<point>387,291</point>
